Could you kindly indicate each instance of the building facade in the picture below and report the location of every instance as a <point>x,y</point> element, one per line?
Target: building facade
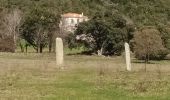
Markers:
<point>69,21</point>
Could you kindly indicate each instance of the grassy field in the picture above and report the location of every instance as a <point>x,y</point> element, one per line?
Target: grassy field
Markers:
<point>35,77</point>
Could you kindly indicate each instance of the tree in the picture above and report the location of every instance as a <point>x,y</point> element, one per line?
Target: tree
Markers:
<point>165,33</point>
<point>38,27</point>
<point>12,22</point>
<point>1,23</point>
<point>104,34</point>
<point>23,45</point>
<point>148,44</point>
<point>9,28</point>
<point>7,45</point>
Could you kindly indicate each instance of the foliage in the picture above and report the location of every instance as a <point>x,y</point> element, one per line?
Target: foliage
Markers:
<point>139,12</point>
<point>104,33</point>
<point>38,27</point>
<point>7,45</point>
<point>165,36</point>
<point>23,44</point>
<point>148,44</point>
<point>142,12</point>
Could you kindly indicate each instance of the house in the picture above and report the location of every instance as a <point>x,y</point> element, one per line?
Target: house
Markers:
<point>69,21</point>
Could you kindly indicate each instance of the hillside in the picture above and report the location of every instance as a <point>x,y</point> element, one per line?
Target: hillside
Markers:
<point>142,12</point>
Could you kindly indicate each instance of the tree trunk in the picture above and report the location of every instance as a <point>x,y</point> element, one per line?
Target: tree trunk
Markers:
<point>22,48</point>
<point>38,46</point>
<point>54,45</point>
<point>15,46</point>
<point>145,61</point>
<point>41,48</point>
<point>100,52</point>
<point>26,48</point>
<point>37,49</point>
<point>50,46</point>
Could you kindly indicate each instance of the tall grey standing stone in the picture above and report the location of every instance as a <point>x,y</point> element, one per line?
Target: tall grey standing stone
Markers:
<point>59,52</point>
<point>127,55</point>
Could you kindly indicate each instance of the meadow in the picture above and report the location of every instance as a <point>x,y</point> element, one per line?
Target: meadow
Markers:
<point>31,76</point>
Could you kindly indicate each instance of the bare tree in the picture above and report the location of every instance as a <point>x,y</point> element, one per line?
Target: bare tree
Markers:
<point>2,29</point>
<point>6,41</point>
<point>12,22</point>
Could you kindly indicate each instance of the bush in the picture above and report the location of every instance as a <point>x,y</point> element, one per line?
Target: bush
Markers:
<point>7,45</point>
<point>148,44</point>
<point>165,32</point>
<point>104,34</point>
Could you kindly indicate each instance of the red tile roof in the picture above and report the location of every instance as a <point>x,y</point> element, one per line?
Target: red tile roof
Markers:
<point>72,15</point>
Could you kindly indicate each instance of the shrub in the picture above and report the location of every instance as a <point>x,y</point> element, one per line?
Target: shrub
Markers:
<point>104,34</point>
<point>7,45</point>
<point>148,44</point>
<point>165,32</point>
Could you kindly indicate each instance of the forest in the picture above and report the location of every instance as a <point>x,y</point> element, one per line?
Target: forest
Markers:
<point>36,21</point>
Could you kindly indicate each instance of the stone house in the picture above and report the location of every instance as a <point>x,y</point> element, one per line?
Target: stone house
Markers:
<point>69,21</point>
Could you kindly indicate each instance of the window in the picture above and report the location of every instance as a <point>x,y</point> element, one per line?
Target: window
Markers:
<point>72,21</point>
<point>78,21</point>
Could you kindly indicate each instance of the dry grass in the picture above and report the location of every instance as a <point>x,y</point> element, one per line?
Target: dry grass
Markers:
<point>35,77</point>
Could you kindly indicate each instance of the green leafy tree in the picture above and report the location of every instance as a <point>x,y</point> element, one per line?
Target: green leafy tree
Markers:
<point>38,27</point>
<point>141,12</point>
<point>165,33</point>
<point>104,34</point>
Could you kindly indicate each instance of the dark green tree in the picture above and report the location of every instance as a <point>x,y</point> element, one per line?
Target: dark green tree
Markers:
<point>165,35</point>
<point>104,34</point>
<point>38,27</point>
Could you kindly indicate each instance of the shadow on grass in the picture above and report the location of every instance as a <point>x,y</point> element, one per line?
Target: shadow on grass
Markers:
<point>167,57</point>
<point>142,62</point>
<point>89,53</point>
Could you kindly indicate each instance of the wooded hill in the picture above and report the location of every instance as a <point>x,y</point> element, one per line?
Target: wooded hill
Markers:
<point>44,15</point>
<point>141,12</point>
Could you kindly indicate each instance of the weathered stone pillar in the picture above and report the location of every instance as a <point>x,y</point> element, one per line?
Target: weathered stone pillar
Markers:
<point>127,55</point>
<point>59,52</point>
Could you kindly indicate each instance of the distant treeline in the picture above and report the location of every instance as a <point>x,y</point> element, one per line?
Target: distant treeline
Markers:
<point>36,22</point>
<point>142,12</point>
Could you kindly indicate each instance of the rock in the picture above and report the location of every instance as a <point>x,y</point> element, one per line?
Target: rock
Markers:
<point>127,56</point>
<point>59,52</point>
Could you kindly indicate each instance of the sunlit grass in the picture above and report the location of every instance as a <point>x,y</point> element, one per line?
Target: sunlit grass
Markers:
<point>34,76</point>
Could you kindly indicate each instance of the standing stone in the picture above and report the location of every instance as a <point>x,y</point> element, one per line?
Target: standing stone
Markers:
<point>127,55</point>
<point>59,52</point>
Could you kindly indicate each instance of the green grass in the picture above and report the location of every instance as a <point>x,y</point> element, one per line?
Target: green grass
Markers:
<point>35,77</point>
